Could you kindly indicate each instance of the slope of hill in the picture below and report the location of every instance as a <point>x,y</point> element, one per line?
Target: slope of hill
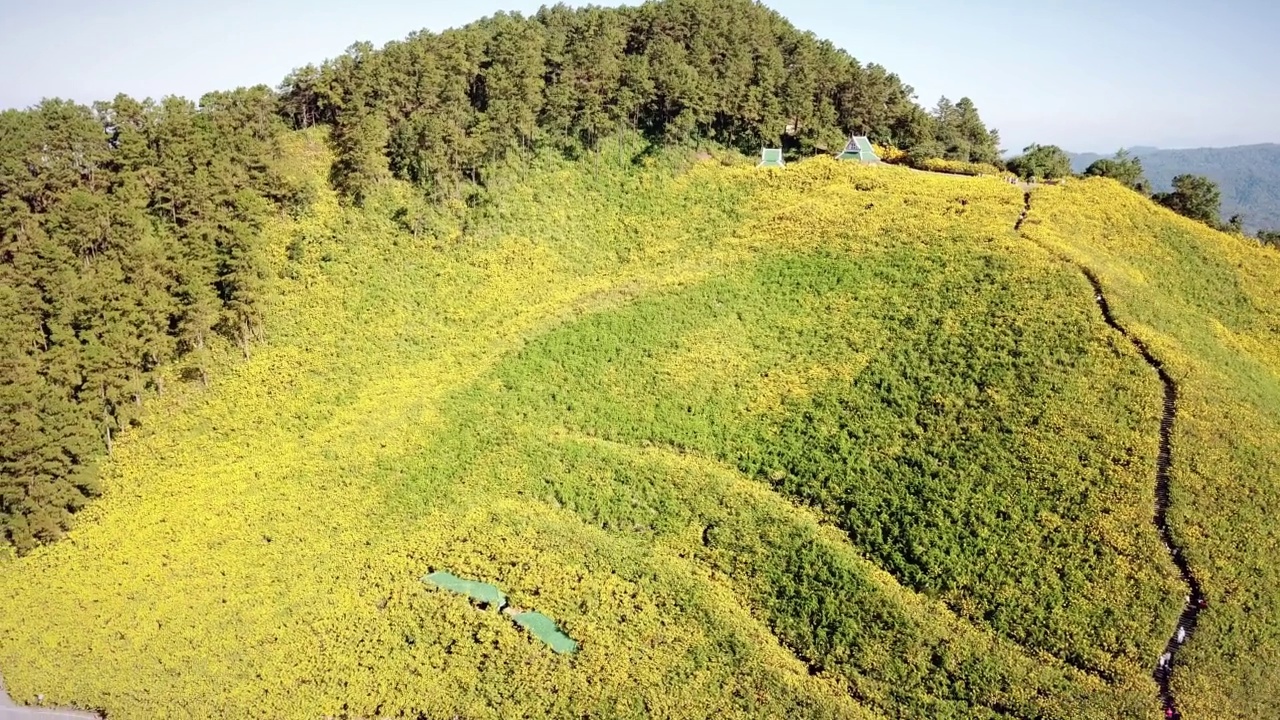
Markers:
<point>129,231</point>
<point>831,442</point>
<point>1249,176</point>
<point>1204,303</point>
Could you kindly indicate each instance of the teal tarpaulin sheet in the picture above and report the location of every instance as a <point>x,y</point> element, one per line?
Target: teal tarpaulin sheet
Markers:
<point>538,625</point>
<point>478,591</point>
<point>544,628</point>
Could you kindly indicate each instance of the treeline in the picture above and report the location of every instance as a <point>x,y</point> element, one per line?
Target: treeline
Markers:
<point>128,238</point>
<point>436,109</point>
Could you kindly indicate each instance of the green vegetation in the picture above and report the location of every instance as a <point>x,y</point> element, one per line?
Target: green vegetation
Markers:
<point>1249,176</point>
<point>1041,162</point>
<point>831,441</point>
<point>681,72</point>
<point>1195,197</point>
<point>129,235</point>
<point>958,136</point>
<point>1203,301</point>
<point>530,403</point>
<point>1124,168</point>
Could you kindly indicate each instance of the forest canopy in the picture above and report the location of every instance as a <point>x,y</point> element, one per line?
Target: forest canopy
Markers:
<point>682,71</point>
<point>128,239</point>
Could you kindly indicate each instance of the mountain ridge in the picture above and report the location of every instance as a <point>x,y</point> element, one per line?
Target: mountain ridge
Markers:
<point>1249,176</point>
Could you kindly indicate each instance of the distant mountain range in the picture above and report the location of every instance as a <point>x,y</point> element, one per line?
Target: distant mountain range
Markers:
<point>1248,174</point>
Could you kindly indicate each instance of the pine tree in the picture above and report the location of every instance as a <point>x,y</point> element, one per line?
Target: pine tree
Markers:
<point>359,139</point>
<point>1123,168</point>
<point>243,276</point>
<point>1041,162</point>
<point>511,83</point>
<point>1196,197</point>
<point>983,144</point>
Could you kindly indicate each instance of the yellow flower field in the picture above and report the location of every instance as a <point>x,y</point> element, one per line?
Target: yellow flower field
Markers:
<point>831,441</point>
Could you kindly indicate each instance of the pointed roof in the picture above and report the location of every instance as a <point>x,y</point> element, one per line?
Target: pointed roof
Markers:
<point>771,157</point>
<point>859,148</point>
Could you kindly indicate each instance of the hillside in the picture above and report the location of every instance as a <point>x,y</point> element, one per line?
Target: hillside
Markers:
<point>1249,176</point>
<point>130,231</point>
<point>1200,301</point>
<point>509,311</point>
<point>830,442</point>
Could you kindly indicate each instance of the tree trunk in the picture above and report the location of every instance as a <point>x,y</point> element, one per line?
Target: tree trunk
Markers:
<point>106,416</point>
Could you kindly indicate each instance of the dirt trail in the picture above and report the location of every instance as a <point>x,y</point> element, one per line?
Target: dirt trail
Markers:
<point>1195,603</point>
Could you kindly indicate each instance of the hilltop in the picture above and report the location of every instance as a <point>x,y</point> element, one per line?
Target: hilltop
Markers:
<point>1249,176</point>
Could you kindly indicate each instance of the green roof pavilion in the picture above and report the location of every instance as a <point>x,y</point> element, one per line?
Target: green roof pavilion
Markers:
<point>859,148</point>
<point>771,158</point>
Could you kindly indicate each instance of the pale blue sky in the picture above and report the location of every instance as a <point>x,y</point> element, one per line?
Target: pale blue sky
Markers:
<point>1084,74</point>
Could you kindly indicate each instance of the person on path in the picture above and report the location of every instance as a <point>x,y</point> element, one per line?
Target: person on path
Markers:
<point>1182,635</point>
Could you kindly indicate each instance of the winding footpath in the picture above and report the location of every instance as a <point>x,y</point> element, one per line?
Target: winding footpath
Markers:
<point>1196,601</point>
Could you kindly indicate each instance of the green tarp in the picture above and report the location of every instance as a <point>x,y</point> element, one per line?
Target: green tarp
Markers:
<point>859,148</point>
<point>478,591</point>
<point>771,157</point>
<point>544,628</point>
<point>538,625</point>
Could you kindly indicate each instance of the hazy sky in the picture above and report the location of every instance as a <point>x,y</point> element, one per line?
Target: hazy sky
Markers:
<point>1084,74</point>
